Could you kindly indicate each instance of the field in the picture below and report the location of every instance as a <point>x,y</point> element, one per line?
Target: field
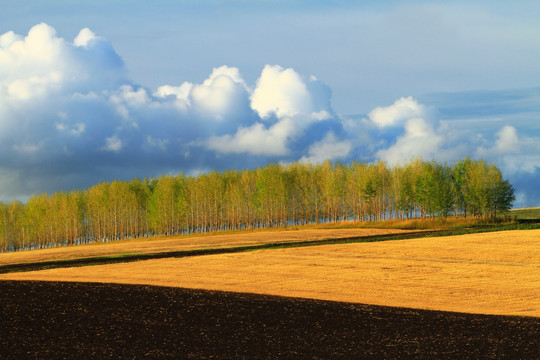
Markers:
<point>428,297</point>
<point>528,214</point>
<point>186,243</point>
<point>50,320</point>
<point>489,273</point>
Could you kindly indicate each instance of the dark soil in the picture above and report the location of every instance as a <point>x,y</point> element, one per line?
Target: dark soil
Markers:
<point>46,320</point>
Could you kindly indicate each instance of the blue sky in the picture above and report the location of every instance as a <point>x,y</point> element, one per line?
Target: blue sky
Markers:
<point>97,90</point>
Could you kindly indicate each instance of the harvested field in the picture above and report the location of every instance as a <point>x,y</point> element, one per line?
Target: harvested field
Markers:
<point>490,273</point>
<point>186,243</point>
<point>50,320</point>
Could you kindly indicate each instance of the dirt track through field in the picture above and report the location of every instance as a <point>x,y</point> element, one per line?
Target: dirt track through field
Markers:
<point>491,273</point>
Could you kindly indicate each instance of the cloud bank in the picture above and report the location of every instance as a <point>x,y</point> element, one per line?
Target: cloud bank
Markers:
<point>70,117</point>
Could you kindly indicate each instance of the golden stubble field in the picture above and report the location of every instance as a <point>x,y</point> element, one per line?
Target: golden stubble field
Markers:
<point>186,243</point>
<point>491,273</point>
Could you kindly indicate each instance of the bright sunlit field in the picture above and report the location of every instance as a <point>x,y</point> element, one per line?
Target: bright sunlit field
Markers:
<point>188,242</point>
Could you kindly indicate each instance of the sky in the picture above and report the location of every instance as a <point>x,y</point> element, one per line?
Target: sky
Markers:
<point>92,91</point>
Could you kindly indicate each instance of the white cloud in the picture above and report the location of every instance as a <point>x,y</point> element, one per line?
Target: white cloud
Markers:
<point>515,154</point>
<point>321,115</point>
<point>32,61</point>
<point>283,92</point>
<point>41,45</point>
<point>180,93</point>
<point>255,140</point>
<point>419,139</point>
<point>411,129</point>
<point>130,96</point>
<point>329,148</point>
<point>83,94</point>
<point>41,64</point>
<point>34,86</point>
<point>221,94</point>
<point>228,72</point>
<point>507,143</point>
<point>113,144</point>
<point>6,40</point>
<point>397,113</point>
<point>296,104</point>
<point>127,97</point>
<point>519,164</point>
<point>85,36</point>
<point>68,111</point>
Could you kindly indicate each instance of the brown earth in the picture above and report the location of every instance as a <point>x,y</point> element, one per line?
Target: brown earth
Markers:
<point>55,320</point>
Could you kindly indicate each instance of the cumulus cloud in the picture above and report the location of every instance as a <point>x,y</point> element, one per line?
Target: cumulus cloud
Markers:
<point>408,128</point>
<point>280,92</point>
<point>329,148</point>
<point>419,140</point>
<point>395,114</point>
<point>42,62</point>
<point>516,154</point>
<point>283,93</point>
<point>507,142</point>
<point>255,140</point>
<point>180,94</point>
<point>287,106</point>
<point>85,36</point>
<point>223,93</point>
<point>68,111</point>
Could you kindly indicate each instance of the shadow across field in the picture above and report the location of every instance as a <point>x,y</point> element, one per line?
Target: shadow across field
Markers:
<point>86,321</point>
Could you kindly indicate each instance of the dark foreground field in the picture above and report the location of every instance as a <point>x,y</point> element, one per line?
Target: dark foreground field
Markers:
<point>40,320</point>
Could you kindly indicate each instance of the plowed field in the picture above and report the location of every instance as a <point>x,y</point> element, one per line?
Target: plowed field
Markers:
<point>51,320</point>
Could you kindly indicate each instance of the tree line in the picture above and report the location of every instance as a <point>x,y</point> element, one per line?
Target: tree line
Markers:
<point>271,196</point>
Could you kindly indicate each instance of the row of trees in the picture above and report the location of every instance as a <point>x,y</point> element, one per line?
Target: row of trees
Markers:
<point>275,195</point>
